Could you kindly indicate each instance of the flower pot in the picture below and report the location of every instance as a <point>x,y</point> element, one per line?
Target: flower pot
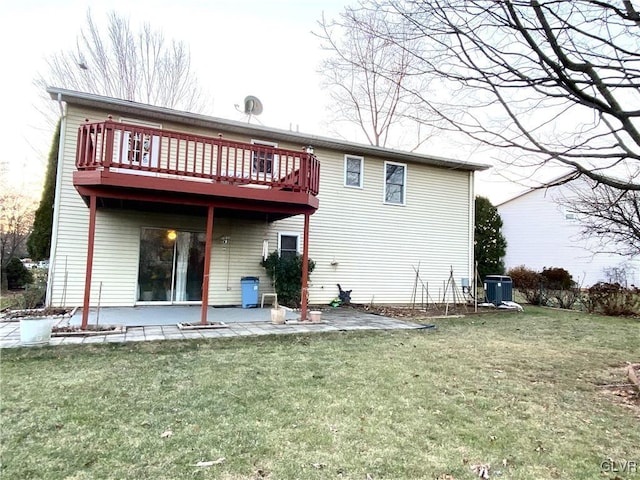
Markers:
<point>35,331</point>
<point>314,316</point>
<point>277,315</point>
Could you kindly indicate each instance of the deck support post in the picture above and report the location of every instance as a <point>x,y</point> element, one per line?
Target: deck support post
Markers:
<point>305,269</point>
<point>89,269</point>
<point>207,266</point>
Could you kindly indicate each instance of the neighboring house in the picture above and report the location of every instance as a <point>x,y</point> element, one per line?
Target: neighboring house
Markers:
<point>157,206</point>
<point>541,232</point>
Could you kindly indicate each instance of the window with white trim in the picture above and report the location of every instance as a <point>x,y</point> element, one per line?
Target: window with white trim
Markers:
<point>288,245</point>
<point>139,148</point>
<point>263,161</point>
<point>395,183</point>
<point>353,171</point>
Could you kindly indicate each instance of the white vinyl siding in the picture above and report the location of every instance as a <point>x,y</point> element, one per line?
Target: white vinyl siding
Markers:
<point>357,242</point>
<point>353,171</point>
<point>117,243</point>
<point>354,239</point>
<point>68,259</point>
<point>553,240</point>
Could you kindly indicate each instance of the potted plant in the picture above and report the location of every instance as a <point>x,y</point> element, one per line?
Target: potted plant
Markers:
<point>278,313</point>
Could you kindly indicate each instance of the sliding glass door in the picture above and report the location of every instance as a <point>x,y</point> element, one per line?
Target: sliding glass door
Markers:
<point>171,266</point>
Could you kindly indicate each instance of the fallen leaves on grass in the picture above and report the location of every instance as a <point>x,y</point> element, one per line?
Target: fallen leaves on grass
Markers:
<point>481,470</point>
<point>633,376</point>
<point>210,463</point>
<point>623,388</point>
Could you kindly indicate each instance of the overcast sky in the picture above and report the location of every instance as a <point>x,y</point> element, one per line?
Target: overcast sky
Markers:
<point>238,48</point>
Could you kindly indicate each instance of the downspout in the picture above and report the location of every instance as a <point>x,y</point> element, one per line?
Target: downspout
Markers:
<point>56,206</point>
<point>472,225</point>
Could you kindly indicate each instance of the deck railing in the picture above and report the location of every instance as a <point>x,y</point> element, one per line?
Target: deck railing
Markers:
<point>128,148</point>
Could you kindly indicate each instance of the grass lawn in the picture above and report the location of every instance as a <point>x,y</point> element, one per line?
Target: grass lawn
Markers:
<point>520,392</point>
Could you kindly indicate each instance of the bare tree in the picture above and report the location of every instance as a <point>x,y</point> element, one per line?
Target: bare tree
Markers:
<point>16,219</point>
<point>549,81</point>
<point>370,79</point>
<point>122,63</point>
<point>607,215</point>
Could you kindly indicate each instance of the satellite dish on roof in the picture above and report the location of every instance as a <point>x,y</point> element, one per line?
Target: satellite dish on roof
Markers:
<point>252,105</point>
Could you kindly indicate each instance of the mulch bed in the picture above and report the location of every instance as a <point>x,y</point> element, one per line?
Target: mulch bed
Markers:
<point>16,315</point>
<point>433,310</point>
<point>201,326</point>
<point>91,330</point>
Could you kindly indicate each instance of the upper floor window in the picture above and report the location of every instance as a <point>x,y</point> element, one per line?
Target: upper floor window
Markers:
<point>263,159</point>
<point>353,169</point>
<point>138,147</point>
<point>395,183</point>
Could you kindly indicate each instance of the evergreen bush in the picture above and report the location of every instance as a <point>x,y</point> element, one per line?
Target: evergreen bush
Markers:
<point>286,275</point>
<point>39,242</point>
<point>490,245</point>
<point>17,274</point>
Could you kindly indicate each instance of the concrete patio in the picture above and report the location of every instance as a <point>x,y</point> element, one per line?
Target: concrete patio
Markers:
<point>148,323</point>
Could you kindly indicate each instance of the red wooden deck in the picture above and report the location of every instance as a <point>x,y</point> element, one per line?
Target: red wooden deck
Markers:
<point>137,167</point>
<point>129,162</point>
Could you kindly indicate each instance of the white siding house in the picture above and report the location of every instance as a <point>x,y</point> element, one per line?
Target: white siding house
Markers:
<point>381,212</point>
<point>540,233</point>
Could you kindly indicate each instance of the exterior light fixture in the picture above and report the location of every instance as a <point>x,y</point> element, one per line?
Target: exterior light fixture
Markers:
<point>171,235</point>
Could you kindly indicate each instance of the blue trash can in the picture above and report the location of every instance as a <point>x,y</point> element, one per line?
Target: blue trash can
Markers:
<point>250,287</point>
<point>498,289</point>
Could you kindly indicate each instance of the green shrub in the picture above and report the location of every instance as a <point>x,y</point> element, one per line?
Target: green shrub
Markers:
<point>614,299</point>
<point>17,274</point>
<point>33,297</point>
<point>286,275</point>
